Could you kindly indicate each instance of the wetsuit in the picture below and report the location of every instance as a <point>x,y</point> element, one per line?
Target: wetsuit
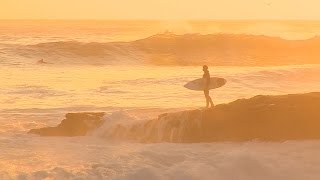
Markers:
<point>206,78</point>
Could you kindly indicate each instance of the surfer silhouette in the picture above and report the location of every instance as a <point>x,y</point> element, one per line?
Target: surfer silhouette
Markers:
<point>206,80</point>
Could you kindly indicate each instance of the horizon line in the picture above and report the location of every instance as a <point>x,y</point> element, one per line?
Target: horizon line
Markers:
<point>155,19</point>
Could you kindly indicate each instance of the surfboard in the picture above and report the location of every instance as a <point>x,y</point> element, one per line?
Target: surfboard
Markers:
<point>197,85</point>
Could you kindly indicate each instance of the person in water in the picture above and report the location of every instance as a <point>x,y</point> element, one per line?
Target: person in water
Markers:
<point>206,80</point>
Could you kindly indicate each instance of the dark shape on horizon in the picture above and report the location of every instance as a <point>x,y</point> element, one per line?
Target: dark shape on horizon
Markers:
<point>41,62</point>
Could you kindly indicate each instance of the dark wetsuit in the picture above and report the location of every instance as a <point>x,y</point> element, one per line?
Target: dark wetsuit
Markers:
<point>206,78</point>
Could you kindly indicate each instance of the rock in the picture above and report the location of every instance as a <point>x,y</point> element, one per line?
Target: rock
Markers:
<point>266,118</point>
<point>75,124</point>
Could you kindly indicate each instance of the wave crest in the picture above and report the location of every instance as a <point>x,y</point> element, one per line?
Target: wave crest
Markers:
<point>187,49</point>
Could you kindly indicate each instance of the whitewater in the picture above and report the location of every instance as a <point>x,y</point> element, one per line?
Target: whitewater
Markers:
<point>111,67</point>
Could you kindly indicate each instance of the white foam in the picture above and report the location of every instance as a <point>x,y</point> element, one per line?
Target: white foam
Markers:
<point>92,159</point>
<point>112,121</point>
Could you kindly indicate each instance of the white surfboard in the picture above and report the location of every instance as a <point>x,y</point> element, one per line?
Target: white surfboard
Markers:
<point>197,85</point>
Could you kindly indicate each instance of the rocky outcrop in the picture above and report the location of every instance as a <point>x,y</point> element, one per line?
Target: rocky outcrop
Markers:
<point>75,124</point>
<point>266,118</point>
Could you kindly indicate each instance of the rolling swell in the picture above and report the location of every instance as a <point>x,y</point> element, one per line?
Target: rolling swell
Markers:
<point>187,49</point>
<point>86,53</point>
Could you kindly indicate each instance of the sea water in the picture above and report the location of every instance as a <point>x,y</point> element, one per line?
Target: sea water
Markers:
<point>35,95</point>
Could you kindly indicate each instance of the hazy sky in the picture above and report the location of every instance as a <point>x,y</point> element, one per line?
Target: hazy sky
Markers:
<point>159,9</point>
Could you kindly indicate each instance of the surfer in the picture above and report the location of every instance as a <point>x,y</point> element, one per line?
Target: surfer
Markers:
<point>41,62</point>
<point>206,79</point>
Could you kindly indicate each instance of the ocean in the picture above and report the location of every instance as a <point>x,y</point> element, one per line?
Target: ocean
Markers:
<point>128,66</point>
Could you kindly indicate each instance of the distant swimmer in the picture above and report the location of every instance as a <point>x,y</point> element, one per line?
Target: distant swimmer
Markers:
<point>206,80</point>
<point>42,62</point>
<point>268,3</point>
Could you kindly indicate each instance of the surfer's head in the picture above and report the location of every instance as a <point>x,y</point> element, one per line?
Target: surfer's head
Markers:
<point>205,68</point>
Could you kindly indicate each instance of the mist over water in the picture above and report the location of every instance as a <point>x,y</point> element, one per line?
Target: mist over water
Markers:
<point>77,77</point>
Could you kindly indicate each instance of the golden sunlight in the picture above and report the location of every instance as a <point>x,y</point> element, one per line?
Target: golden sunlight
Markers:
<point>159,89</point>
<point>164,9</point>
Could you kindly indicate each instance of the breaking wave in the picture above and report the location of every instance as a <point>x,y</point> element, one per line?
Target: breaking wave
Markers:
<point>187,49</point>
<point>121,125</point>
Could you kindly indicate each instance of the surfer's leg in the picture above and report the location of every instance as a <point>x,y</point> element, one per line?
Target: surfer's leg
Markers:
<point>210,100</point>
<point>206,94</point>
